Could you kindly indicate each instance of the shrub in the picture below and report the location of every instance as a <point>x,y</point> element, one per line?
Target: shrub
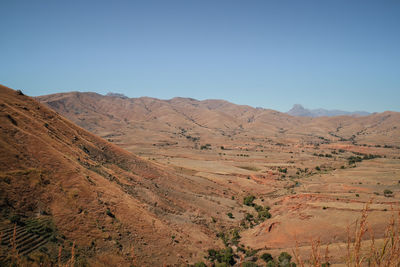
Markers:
<point>284,260</point>
<point>227,256</point>
<point>16,219</point>
<point>212,254</point>
<point>284,256</point>
<point>109,213</point>
<point>283,170</point>
<point>264,214</point>
<point>267,257</point>
<point>224,257</point>
<point>230,215</point>
<point>251,252</point>
<point>387,193</point>
<point>248,201</point>
<point>249,217</point>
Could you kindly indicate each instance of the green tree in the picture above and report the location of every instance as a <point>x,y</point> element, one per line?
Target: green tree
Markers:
<point>284,259</point>
<point>248,200</point>
<point>267,257</point>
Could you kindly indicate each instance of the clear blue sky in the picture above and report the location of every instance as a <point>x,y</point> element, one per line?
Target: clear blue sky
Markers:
<point>332,54</point>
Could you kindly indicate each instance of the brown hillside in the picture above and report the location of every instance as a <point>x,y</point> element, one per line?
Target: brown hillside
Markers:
<point>96,194</point>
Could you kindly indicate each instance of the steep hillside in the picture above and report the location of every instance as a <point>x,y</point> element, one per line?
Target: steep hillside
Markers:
<point>106,200</point>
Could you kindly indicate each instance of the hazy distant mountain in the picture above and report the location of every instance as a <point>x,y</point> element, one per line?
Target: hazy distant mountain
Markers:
<point>299,111</point>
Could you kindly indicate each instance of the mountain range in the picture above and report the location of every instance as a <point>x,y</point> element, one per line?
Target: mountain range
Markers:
<point>299,111</point>
<point>116,118</point>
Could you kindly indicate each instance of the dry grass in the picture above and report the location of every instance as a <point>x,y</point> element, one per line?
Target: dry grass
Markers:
<point>354,244</point>
<point>386,253</point>
<point>14,251</point>
<point>133,256</point>
<point>59,255</point>
<point>360,253</point>
<point>318,256</point>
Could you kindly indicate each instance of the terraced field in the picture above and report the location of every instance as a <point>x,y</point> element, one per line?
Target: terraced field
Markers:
<point>25,237</point>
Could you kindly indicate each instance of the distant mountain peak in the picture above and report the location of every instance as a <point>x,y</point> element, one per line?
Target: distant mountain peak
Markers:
<point>297,106</point>
<point>299,111</point>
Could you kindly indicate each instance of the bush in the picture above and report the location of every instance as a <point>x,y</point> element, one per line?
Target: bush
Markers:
<point>15,218</point>
<point>387,193</point>
<point>264,214</point>
<point>224,257</point>
<point>284,260</point>
<point>267,257</point>
<point>109,213</point>
<point>249,217</point>
<point>212,254</point>
<point>284,257</point>
<point>227,256</point>
<point>250,252</point>
<point>200,264</point>
<point>282,170</point>
<point>258,208</point>
<point>235,235</point>
<point>248,201</point>
<point>230,215</point>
